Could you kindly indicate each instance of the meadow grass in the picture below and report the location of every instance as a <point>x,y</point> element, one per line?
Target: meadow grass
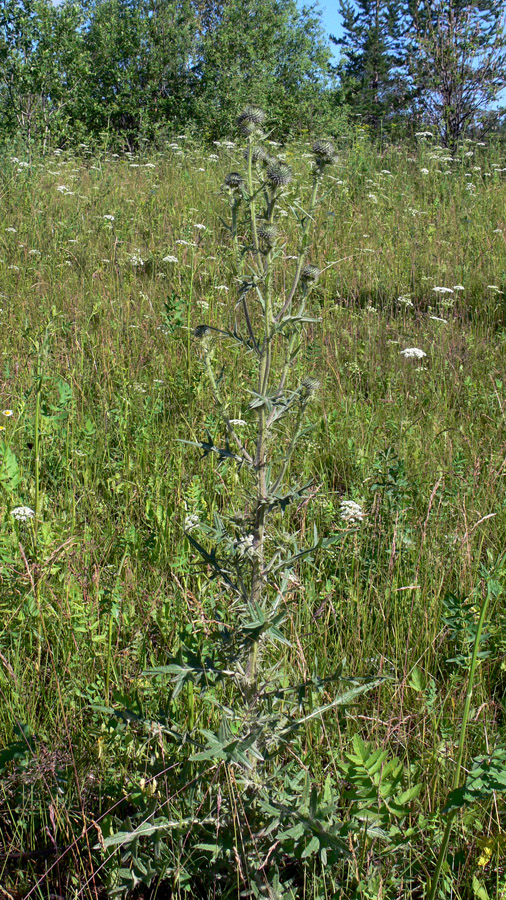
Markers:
<point>107,265</point>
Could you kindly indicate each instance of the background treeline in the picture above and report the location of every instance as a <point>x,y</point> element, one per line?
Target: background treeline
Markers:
<point>126,71</point>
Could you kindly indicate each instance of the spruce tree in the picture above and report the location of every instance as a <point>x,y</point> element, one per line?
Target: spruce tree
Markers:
<point>373,65</point>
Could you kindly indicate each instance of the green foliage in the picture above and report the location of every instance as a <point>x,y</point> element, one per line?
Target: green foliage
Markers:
<point>247,722</point>
<point>112,591</point>
<point>457,59</point>
<point>486,776</point>
<point>373,71</point>
<point>125,72</point>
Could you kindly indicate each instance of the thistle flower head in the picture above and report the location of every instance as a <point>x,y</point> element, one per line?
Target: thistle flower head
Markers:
<point>268,234</point>
<point>250,120</point>
<point>234,181</point>
<point>279,173</point>
<point>324,152</point>
<point>310,386</point>
<point>201,331</point>
<point>310,274</point>
<point>258,155</point>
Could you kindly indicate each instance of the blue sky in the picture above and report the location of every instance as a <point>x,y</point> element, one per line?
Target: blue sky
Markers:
<point>331,20</point>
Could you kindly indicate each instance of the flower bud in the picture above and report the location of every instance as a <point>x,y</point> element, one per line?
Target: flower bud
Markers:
<point>324,152</point>
<point>310,274</point>
<point>250,119</point>
<point>279,174</point>
<point>268,234</point>
<point>234,181</point>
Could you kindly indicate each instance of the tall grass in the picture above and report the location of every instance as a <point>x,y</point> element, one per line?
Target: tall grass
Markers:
<point>104,274</point>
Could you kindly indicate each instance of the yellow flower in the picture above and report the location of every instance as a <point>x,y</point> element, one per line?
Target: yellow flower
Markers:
<point>488,847</point>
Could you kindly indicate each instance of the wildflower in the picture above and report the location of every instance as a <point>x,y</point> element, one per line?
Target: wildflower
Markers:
<point>438,319</point>
<point>251,118</point>
<point>136,260</point>
<point>373,197</point>
<point>170,259</point>
<point>310,386</point>
<point>310,273</point>
<point>424,171</point>
<point>203,304</point>
<point>234,181</point>
<point>109,218</point>
<point>494,287</point>
<point>191,522</point>
<point>423,134</point>
<point>237,422</point>
<point>258,155</point>
<point>405,300</point>
<point>268,234</point>
<point>200,227</point>
<point>279,174</point>
<point>458,287</point>
<point>7,412</point>
<point>22,513</point>
<point>12,230</point>
<point>413,353</point>
<point>324,152</point>
<point>201,331</point>
<point>443,290</point>
<point>351,511</point>
<point>62,188</point>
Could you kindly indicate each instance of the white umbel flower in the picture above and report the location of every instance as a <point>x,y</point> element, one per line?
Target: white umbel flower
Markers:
<point>22,513</point>
<point>351,511</point>
<point>191,522</point>
<point>413,353</point>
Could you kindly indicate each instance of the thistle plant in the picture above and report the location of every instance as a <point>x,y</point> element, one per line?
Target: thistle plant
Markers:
<point>250,807</point>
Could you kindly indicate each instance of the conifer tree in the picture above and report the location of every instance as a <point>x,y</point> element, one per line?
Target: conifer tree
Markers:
<point>373,66</point>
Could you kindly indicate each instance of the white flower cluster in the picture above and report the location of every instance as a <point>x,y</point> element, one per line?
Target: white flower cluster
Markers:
<point>22,513</point>
<point>136,260</point>
<point>191,522</point>
<point>351,511</point>
<point>413,353</point>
